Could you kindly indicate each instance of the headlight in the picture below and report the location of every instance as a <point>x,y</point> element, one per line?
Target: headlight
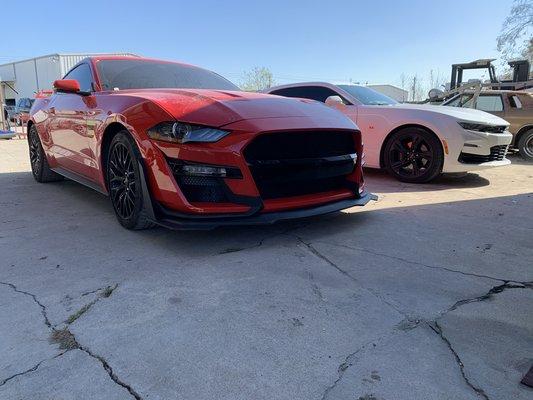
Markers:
<point>179,132</point>
<point>469,126</point>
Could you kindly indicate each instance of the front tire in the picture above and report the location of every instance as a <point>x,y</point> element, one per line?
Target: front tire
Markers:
<point>39,164</point>
<point>124,182</point>
<point>525,145</point>
<point>413,155</point>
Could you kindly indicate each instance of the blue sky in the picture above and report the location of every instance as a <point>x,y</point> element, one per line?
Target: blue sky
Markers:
<point>366,41</point>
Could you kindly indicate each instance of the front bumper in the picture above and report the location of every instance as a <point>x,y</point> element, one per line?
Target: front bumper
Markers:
<point>177,221</point>
<point>474,152</point>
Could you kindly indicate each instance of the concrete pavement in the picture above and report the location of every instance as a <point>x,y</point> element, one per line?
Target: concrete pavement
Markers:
<point>426,294</point>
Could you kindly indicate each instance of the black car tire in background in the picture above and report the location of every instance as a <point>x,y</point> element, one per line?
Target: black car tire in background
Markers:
<point>413,155</point>
<point>123,178</point>
<point>525,145</point>
<point>39,164</point>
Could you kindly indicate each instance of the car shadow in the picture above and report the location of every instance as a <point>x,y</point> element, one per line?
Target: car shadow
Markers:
<point>380,181</point>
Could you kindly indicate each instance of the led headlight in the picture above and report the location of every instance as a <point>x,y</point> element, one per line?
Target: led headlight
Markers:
<point>469,126</point>
<point>179,132</point>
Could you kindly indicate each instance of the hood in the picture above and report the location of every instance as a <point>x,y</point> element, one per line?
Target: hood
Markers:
<point>218,108</point>
<point>463,114</point>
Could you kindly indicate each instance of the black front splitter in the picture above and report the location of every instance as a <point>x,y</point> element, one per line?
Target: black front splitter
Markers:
<point>170,220</point>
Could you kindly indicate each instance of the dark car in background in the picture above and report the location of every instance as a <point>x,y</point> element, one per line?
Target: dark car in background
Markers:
<point>21,113</point>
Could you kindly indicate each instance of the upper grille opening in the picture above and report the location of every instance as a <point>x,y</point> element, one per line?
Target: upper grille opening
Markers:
<point>286,164</point>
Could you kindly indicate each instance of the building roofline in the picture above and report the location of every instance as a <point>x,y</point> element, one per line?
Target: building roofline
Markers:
<point>66,54</point>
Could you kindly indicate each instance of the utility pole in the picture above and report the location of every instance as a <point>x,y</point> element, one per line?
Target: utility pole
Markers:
<point>3,124</point>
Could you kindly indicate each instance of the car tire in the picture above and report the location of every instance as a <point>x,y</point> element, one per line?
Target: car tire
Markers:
<point>525,145</point>
<point>39,164</point>
<point>413,155</point>
<point>124,181</point>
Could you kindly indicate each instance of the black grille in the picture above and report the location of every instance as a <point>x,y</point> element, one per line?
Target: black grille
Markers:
<point>497,153</point>
<point>297,163</point>
<point>201,189</point>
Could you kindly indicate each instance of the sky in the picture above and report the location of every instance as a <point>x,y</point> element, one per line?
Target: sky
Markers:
<point>338,41</point>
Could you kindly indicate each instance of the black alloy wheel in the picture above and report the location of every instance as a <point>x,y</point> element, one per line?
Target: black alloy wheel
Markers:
<point>124,182</point>
<point>39,164</point>
<point>36,159</point>
<point>413,155</point>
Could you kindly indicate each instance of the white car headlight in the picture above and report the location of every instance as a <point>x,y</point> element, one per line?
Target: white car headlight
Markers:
<point>477,127</point>
<point>179,132</point>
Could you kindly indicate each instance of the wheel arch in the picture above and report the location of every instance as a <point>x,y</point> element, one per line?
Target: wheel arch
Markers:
<point>399,128</point>
<point>521,132</point>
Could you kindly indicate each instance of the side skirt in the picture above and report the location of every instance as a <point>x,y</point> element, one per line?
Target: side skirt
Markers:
<point>79,179</point>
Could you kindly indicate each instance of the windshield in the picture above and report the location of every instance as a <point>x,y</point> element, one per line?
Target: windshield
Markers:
<point>368,96</point>
<point>147,74</point>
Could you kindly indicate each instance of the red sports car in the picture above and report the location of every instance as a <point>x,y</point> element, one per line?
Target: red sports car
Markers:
<point>182,147</point>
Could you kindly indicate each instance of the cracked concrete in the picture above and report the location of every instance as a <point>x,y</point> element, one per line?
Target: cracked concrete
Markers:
<point>423,295</point>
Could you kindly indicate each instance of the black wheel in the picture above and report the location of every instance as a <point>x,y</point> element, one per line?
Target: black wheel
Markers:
<point>413,155</point>
<point>39,164</point>
<point>123,177</point>
<point>525,145</point>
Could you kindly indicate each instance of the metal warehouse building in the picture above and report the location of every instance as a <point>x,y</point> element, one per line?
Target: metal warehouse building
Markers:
<point>25,78</point>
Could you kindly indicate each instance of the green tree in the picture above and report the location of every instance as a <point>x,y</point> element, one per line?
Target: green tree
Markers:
<point>259,78</point>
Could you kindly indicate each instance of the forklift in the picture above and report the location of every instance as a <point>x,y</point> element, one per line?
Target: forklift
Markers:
<point>520,70</point>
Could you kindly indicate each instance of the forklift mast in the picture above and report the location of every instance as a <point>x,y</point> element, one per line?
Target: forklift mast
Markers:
<point>457,71</point>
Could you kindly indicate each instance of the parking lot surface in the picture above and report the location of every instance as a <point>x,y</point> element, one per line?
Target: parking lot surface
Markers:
<point>425,294</point>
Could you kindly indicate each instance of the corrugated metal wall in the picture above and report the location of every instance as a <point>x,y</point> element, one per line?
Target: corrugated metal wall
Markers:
<point>67,61</point>
<point>29,76</point>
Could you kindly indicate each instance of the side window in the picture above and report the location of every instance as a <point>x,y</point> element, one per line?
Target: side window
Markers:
<point>490,103</point>
<point>82,73</point>
<point>515,102</point>
<point>318,93</point>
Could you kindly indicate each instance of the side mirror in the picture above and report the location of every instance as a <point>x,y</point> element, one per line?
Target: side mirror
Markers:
<point>335,101</point>
<point>67,86</point>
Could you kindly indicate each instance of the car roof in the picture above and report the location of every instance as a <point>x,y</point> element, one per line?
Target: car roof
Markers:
<point>499,92</point>
<point>132,57</point>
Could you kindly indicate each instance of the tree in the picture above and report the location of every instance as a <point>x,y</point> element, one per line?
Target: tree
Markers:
<point>517,26</point>
<point>259,78</point>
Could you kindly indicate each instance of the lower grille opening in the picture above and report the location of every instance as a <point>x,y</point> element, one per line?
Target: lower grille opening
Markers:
<point>290,164</point>
<point>497,153</point>
<point>199,189</point>
<point>202,189</point>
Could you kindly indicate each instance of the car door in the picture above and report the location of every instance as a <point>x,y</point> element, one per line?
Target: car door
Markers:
<point>491,103</point>
<point>68,126</point>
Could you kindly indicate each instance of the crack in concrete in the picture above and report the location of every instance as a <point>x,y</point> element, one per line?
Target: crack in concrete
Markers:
<point>262,240</point>
<point>438,330</point>
<point>487,296</point>
<point>106,292</point>
<point>34,368</point>
<point>318,254</point>
<point>42,306</point>
<point>396,258</point>
<point>110,372</point>
<point>507,284</point>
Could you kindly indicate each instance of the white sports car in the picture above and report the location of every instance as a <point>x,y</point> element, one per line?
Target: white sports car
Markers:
<point>414,142</point>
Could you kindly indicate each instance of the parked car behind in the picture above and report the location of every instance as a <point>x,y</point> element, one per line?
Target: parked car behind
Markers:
<point>516,107</point>
<point>21,113</point>
<point>413,142</point>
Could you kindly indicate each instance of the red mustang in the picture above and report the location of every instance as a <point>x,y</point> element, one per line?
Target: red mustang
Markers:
<point>182,147</point>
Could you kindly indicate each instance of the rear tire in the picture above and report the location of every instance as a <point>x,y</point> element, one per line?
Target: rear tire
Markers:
<point>124,182</point>
<point>413,155</point>
<point>525,145</point>
<point>39,164</point>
